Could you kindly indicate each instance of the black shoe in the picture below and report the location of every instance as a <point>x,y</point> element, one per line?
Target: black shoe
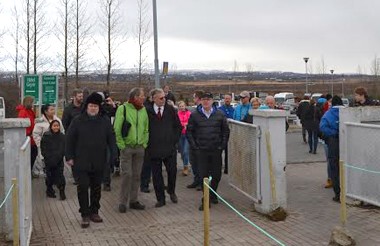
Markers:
<point>214,200</point>
<point>85,222</point>
<point>62,195</point>
<point>199,187</point>
<point>192,185</point>
<point>107,187</point>
<point>122,208</point>
<point>336,199</point>
<point>160,204</point>
<point>310,151</point>
<point>144,189</point>
<point>137,206</point>
<point>174,198</point>
<point>201,207</point>
<point>314,152</point>
<point>50,193</point>
<point>225,171</point>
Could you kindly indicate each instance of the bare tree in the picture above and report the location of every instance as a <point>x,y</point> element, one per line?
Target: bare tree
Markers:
<point>249,71</point>
<point>111,22</point>
<point>143,35</point>
<point>27,8</point>
<point>15,34</point>
<point>322,69</point>
<point>82,28</point>
<point>63,36</point>
<point>375,66</point>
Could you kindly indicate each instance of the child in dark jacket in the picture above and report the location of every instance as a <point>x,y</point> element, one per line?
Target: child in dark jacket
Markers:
<point>53,151</point>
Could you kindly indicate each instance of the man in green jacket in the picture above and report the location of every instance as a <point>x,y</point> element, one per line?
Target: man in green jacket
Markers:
<point>132,147</point>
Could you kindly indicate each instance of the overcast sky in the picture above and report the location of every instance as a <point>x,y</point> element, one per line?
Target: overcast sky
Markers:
<point>271,35</point>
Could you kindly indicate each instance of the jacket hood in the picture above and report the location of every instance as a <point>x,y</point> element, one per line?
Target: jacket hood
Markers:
<point>20,107</point>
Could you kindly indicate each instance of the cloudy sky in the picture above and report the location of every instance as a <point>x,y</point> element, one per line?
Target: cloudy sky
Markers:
<point>271,35</point>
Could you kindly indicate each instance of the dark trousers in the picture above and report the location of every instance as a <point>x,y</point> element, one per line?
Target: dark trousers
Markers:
<point>210,164</point>
<point>312,140</point>
<point>194,166</point>
<point>333,155</point>
<point>146,172</point>
<point>86,180</point>
<point>54,176</point>
<point>170,163</point>
<point>33,155</point>
<point>303,133</point>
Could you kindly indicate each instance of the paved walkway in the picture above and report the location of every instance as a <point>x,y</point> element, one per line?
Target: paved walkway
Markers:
<point>312,215</point>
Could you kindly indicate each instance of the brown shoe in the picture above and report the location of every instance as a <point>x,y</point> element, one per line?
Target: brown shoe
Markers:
<point>96,218</point>
<point>185,171</point>
<point>85,222</point>
<point>328,184</point>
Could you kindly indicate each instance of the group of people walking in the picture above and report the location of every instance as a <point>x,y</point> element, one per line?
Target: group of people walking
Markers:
<point>320,120</point>
<point>147,132</point>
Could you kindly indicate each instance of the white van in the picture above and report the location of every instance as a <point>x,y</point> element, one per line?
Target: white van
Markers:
<point>2,108</point>
<point>285,100</point>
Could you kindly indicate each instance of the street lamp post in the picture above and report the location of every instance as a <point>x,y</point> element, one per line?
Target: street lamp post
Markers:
<point>306,59</point>
<point>332,81</point>
<point>156,71</point>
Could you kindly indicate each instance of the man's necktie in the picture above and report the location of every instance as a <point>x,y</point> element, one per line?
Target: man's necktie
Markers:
<point>159,115</point>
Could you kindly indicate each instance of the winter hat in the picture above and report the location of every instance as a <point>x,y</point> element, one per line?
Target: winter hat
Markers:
<point>336,101</point>
<point>244,94</point>
<point>94,98</point>
<point>321,100</point>
<point>207,95</point>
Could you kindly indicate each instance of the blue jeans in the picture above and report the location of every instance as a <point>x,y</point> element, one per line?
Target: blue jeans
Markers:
<point>328,161</point>
<point>313,140</point>
<point>184,149</point>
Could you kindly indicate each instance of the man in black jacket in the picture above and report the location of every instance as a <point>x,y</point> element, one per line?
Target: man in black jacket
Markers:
<point>303,106</point>
<point>87,140</point>
<point>164,133</point>
<point>73,109</point>
<point>208,135</point>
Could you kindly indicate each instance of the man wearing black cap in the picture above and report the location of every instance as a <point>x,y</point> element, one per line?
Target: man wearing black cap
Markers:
<point>87,140</point>
<point>208,134</point>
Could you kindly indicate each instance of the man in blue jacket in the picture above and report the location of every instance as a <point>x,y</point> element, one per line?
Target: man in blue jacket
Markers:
<point>228,111</point>
<point>241,111</point>
<point>329,126</point>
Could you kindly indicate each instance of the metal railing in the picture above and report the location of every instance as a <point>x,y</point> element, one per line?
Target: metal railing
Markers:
<point>244,159</point>
<point>362,159</point>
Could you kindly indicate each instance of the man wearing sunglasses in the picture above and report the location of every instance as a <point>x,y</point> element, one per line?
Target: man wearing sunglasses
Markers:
<point>164,132</point>
<point>241,111</point>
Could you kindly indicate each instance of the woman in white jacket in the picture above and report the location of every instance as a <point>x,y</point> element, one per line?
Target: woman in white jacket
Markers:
<point>41,126</point>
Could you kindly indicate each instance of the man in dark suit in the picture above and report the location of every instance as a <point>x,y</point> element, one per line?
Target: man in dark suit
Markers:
<point>164,133</point>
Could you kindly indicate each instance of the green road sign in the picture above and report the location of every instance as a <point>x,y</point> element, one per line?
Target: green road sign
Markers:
<point>49,89</point>
<point>31,87</point>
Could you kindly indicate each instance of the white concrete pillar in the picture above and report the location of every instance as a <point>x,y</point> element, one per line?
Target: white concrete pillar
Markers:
<point>14,137</point>
<point>272,122</point>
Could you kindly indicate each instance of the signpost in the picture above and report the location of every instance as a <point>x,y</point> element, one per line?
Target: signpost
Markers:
<point>49,89</point>
<point>30,87</point>
<point>44,89</point>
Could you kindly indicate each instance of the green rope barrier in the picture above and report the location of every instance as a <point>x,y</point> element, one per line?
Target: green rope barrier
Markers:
<point>6,197</point>
<point>245,218</point>
<point>362,169</point>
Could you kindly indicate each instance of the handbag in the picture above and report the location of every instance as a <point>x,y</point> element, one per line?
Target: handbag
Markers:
<point>126,125</point>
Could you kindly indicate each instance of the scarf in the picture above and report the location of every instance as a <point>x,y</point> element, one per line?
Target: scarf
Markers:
<point>137,105</point>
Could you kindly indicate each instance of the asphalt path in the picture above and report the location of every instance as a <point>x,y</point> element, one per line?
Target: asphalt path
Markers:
<point>298,152</point>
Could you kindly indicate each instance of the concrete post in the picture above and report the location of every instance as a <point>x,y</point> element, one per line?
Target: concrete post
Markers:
<point>272,125</point>
<point>14,137</point>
